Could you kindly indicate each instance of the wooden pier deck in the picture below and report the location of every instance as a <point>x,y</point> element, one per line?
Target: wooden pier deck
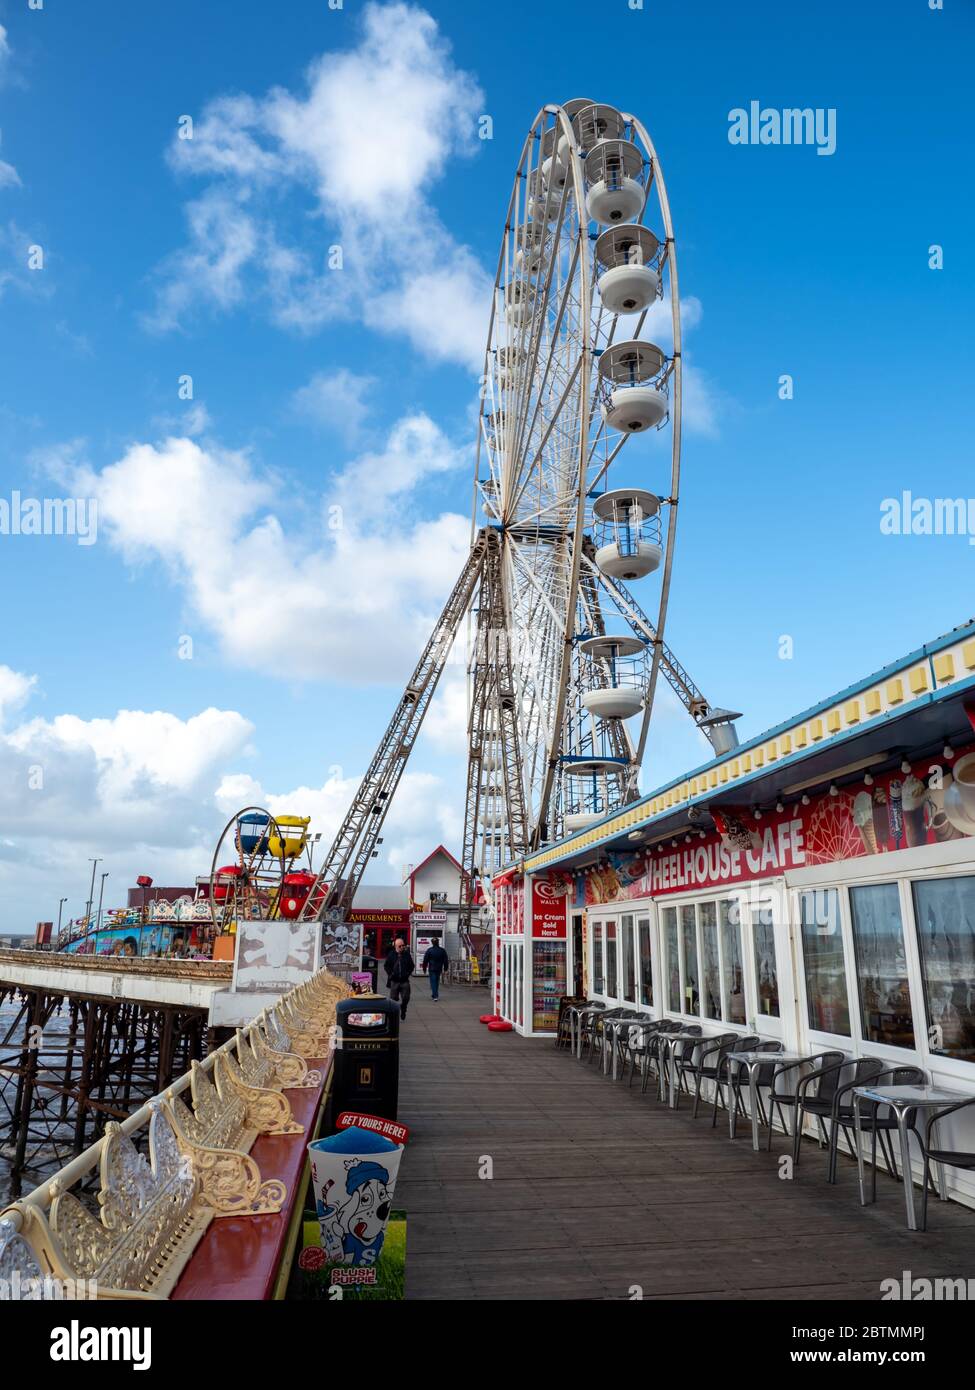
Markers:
<point>597,1190</point>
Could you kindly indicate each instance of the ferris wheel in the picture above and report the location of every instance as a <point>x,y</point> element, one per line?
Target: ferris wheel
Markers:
<point>584,350</point>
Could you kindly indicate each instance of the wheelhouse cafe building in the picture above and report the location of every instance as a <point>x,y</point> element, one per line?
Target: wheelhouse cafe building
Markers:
<point>815,885</point>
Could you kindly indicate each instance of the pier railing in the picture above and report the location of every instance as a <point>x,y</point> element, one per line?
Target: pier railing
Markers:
<point>122,1224</point>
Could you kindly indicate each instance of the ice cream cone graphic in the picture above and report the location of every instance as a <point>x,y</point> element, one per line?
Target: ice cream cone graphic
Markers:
<point>896,812</point>
<point>913,796</point>
<point>863,819</point>
<point>880,827</point>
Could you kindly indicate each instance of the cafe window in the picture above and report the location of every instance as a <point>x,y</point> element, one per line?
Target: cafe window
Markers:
<point>646,962</point>
<point>825,968</point>
<point>878,939</point>
<point>597,959</point>
<point>763,935</point>
<point>629,961</point>
<point>611,986</point>
<point>688,925</point>
<point>733,976</point>
<point>673,960</point>
<point>944,909</point>
<point>711,973</point>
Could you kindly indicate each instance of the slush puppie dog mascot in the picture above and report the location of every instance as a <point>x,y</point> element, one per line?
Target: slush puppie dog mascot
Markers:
<point>357,1222</point>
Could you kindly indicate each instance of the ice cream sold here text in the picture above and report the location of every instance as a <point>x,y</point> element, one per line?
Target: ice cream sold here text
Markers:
<point>815,885</point>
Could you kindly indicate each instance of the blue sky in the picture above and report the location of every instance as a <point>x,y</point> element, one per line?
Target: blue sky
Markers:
<point>315,127</point>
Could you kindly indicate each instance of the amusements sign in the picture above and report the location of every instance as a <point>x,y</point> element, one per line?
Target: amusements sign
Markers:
<point>931,804</point>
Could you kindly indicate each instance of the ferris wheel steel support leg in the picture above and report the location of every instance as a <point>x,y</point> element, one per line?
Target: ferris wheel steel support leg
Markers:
<point>350,852</point>
<point>494,694</point>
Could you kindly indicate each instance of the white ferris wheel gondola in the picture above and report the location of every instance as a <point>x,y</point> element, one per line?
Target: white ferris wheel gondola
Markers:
<point>626,524</point>
<point>635,376</point>
<point>630,280</point>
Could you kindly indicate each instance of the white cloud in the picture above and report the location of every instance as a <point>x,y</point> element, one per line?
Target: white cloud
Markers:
<point>9,178</point>
<point>223,240</point>
<point>347,590</point>
<point>15,690</point>
<point>135,790</point>
<point>423,814</point>
<point>445,726</point>
<point>336,400</point>
<point>701,403</point>
<point>366,137</point>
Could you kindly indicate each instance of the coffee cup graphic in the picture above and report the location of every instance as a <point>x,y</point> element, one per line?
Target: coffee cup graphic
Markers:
<point>964,775</point>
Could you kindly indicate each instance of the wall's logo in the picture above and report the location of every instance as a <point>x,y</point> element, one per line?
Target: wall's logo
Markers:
<point>793,125</point>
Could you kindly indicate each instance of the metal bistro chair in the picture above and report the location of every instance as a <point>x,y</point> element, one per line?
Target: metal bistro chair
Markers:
<point>722,1068</point>
<point>947,1158</point>
<point>644,1043</point>
<point>681,1056</point>
<point>596,1034</point>
<point>765,1077</point>
<point>608,1039</point>
<point>826,1076</point>
<point>636,1045</point>
<point>586,1024</point>
<point>633,1043</point>
<point>828,1104</point>
<point>616,1037</point>
<point>877,1119</point>
<point>563,1036</point>
<point>659,1057</point>
<point>700,1067</point>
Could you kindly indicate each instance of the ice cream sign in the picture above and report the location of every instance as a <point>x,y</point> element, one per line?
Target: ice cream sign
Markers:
<point>549,897</point>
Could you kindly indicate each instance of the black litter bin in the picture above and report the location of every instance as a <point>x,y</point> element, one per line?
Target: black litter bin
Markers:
<point>366,1062</point>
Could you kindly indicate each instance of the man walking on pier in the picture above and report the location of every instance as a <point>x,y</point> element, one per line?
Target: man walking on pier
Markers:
<point>399,968</point>
<point>435,962</point>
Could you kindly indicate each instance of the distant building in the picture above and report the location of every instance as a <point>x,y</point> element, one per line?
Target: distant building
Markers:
<point>434,894</point>
<point>383,911</point>
<point>154,894</point>
<point>422,909</point>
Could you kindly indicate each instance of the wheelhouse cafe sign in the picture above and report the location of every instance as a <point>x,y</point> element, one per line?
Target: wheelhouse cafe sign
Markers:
<point>896,811</point>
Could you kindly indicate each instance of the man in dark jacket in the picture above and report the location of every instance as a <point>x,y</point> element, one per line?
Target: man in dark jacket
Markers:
<point>435,962</point>
<point>399,968</point>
